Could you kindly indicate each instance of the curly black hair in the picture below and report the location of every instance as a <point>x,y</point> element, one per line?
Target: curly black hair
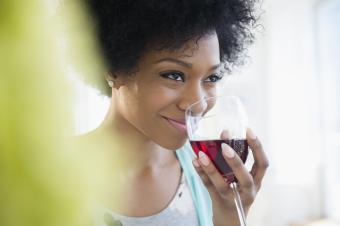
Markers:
<point>127,28</point>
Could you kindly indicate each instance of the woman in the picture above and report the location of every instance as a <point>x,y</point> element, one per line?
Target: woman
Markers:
<point>162,56</point>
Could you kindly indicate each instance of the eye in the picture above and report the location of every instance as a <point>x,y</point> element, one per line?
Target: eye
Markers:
<point>214,78</point>
<point>174,75</point>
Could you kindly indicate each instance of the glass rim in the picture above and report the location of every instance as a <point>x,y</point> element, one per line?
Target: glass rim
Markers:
<point>207,98</point>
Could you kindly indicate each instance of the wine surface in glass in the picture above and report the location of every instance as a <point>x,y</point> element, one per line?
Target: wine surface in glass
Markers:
<point>212,148</point>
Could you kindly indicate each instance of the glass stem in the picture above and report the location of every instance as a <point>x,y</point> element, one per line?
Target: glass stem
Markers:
<point>238,204</point>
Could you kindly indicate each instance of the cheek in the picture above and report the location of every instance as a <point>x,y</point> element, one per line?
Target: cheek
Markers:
<point>141,105</point>
<point>158,99</point>
<point>155,105</point>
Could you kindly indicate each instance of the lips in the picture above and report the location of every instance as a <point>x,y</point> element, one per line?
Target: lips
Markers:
<point>179,124</point>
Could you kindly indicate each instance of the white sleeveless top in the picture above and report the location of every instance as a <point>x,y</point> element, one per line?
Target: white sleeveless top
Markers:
<point>180,212</point>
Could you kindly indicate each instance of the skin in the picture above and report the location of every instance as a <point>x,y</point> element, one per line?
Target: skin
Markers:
<point>165,84</point>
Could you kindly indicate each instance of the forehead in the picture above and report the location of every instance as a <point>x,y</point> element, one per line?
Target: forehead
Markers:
<point>196,51</point>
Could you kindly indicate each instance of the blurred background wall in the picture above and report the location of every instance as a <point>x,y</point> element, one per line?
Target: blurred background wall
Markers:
<point>291,87</point>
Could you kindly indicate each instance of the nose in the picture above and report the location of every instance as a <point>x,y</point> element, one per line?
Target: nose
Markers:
<point>193,95</point>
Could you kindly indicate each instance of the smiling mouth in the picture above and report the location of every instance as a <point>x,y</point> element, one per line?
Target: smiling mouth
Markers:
<point>177,124</point>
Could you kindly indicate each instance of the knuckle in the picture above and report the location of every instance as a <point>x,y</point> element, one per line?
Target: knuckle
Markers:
<point>205,179</point>
<point>253,195</point>
<point>222,188</point>
<point>237,164</point>
<point>265,163</point>
<point>208,185</point>
<point>249,183</point>
<point>199,171</point>
<point>210,170</point>
<point>257,144</point>
<point>250,197</point>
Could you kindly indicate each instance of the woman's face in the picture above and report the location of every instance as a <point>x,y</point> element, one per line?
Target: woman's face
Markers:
<point>154,100</point>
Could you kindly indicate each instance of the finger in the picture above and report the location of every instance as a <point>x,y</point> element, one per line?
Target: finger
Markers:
<point>261,162</point>
<point>214,175</point>
<point>206,180</point>
<point>225,135</point>
<point>244,178</point>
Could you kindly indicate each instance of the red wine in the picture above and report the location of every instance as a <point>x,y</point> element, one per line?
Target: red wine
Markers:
<point>212,148</point>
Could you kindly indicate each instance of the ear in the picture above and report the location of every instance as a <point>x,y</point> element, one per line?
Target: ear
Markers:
<point>112,80</point>
<point>116,79</point>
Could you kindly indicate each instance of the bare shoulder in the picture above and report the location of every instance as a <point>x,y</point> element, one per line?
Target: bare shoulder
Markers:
<point>95,140</point>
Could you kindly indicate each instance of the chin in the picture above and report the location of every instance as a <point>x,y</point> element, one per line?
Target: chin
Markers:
<point>173,144</point>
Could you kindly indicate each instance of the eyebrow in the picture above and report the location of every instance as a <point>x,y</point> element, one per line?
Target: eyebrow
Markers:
<point>183,63</point>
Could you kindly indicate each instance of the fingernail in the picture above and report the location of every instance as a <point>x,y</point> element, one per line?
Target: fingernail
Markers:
<point>196,164</point>
<point>227,151</point>
<point>225,135</point>
<point>251,134</point>
<point>203,158</point>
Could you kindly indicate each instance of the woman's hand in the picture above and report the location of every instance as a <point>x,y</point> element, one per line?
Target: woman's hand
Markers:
<point>224,210</point>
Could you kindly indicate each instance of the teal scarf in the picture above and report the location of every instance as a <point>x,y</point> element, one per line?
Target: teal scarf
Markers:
<point>198,191</point>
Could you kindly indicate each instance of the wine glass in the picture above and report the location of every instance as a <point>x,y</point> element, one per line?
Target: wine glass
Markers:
<point>216,120</point>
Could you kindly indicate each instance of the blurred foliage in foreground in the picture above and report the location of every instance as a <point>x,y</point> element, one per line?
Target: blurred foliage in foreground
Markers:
<point>44,181</point>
